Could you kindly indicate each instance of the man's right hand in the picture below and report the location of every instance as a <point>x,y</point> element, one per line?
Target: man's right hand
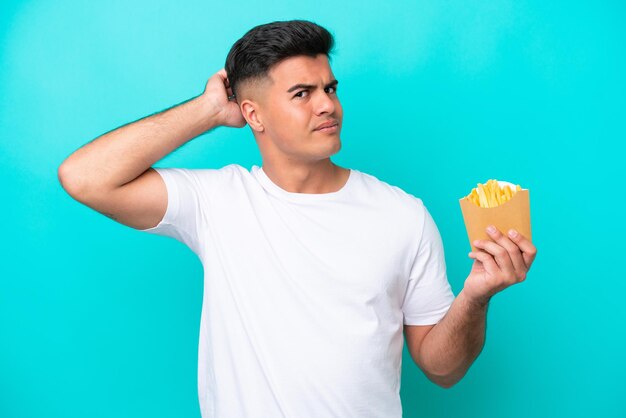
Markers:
<point>216,93</point>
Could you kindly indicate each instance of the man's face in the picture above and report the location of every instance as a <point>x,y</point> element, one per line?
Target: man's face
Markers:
<point>289,114</point>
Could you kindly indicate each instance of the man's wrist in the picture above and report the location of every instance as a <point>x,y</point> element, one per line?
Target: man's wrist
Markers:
<point>207,112</point>
<point>475,303</point>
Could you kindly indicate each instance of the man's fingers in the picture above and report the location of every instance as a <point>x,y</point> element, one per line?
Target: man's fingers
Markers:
<point>222,74</point>
<point>489,263</point>
<point>515,254</point>
<point>529,251</point>
<point>225,82</point>
<point>500,254</point>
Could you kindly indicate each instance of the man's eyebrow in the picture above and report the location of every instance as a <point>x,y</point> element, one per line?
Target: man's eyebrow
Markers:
<point>311,86</point>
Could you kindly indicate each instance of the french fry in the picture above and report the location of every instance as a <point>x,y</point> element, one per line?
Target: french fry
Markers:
<point>491,194</point>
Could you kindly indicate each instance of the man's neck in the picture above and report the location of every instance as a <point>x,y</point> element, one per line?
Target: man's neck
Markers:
<point>321,177</point>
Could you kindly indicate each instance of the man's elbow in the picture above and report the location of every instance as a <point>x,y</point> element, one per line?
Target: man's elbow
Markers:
<point>444,381</point>
<point>447,384</point>
<point>75,184</point>
<point>67,180</point>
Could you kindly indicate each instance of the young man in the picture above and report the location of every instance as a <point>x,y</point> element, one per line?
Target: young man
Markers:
<point>312,271</point>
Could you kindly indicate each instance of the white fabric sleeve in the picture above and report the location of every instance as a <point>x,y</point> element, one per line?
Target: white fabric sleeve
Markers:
<point>428,296</point>
<point>184,210</point>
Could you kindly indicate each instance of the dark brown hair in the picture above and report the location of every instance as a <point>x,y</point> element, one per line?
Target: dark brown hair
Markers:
<point>263,46</point>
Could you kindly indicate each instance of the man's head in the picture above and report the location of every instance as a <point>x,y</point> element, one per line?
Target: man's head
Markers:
<point>264,68</point>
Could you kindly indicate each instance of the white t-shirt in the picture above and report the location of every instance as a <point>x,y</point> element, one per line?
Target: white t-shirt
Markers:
<point>305,295</point>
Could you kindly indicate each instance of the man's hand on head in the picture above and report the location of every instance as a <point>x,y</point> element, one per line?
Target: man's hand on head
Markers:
<point>217,94</point>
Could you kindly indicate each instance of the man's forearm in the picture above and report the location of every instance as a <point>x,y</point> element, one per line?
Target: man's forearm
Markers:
<point>451,346</point>
<point>123,154</point>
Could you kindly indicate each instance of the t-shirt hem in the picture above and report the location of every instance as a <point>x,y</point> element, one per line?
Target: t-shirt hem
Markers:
<point>430,319</point>
<point>172,200</point>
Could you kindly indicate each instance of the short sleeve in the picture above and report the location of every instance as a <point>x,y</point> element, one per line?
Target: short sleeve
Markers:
<point>428,296</point>
<point>183,216</point>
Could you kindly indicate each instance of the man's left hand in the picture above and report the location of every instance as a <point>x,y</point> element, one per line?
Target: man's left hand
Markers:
<point>498,264</point>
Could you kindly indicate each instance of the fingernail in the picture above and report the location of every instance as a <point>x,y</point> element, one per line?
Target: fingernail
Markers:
<point>512,233</point>
<point>491,229</point>
<point>476,242</point>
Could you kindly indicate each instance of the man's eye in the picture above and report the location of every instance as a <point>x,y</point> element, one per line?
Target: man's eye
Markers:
<point>298,94</point>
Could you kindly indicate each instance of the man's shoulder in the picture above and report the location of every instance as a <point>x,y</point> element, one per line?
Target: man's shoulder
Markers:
<point>402,211</point>
<point>229,169</point>
<point>391,193</point>
<point>205,178</point>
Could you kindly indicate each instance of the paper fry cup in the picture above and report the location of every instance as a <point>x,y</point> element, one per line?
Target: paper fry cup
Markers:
<point>512,214</point>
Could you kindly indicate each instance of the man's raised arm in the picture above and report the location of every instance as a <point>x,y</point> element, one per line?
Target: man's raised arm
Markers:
<point>112,175</point>
<point>120,156</point>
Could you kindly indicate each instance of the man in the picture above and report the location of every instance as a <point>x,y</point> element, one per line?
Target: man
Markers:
<point>312,271</point>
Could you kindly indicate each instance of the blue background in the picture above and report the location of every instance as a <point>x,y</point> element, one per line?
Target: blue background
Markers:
<point>99,320</point>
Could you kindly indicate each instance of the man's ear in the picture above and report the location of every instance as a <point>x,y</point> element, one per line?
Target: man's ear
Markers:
<point>249,112</point>
<point>253,95</point>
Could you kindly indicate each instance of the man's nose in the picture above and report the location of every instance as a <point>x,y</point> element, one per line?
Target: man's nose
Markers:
<point>324,103</point>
